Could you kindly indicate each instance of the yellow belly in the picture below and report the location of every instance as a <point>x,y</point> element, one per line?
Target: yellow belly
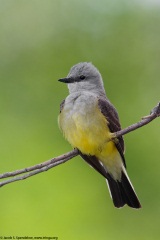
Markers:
<point>89,133</point>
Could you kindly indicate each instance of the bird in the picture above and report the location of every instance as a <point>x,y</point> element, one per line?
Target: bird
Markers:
<point>88,121</point>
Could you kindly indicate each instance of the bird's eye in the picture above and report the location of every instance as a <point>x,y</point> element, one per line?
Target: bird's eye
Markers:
<point>82,77</point>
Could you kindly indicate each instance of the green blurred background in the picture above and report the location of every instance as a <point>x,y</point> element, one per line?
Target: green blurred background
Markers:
<point>39,41</point>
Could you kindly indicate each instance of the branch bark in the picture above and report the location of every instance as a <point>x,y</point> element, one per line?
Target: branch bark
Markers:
<point>44,166</point>
<point>155,112</point>
<point>33,170</point>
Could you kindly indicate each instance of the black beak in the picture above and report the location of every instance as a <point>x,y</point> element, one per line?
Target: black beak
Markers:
<point>66,80</point>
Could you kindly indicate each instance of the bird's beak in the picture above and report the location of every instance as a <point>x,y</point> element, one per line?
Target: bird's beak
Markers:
<point>66,80</point>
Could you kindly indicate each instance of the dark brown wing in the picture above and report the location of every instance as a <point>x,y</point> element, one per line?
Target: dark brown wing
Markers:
<point>62,105</point>
<point>95,163</point>
<point>110,113</point>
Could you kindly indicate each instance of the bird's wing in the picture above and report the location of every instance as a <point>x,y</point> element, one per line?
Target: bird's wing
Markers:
<point>110,113</point>
<point>62,105</point>
<point>95,163</point>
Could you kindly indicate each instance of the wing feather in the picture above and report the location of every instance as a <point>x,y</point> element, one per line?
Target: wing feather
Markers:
<point>110,113</point>
<point>62,105</point>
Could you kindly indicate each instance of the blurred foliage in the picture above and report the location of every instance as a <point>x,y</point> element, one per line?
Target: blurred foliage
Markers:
<point>40,40</point>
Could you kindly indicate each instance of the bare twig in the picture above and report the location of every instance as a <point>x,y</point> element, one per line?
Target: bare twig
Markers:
<point>37,168</point>
<point>54,161</point>
<point>33,170</point>
<point>145,120</point>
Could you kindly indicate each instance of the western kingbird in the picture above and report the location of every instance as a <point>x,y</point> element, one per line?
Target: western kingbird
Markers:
<point>88,121</point>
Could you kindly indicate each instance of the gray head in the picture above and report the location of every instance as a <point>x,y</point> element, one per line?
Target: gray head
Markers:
<point>84,76</point>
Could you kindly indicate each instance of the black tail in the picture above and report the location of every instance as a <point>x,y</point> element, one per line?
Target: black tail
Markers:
<point>122,192</point>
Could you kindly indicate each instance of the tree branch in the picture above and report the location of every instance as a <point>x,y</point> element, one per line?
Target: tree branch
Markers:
<point>33,170</point>
<point>155,112</point>
<point>44,166</point>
